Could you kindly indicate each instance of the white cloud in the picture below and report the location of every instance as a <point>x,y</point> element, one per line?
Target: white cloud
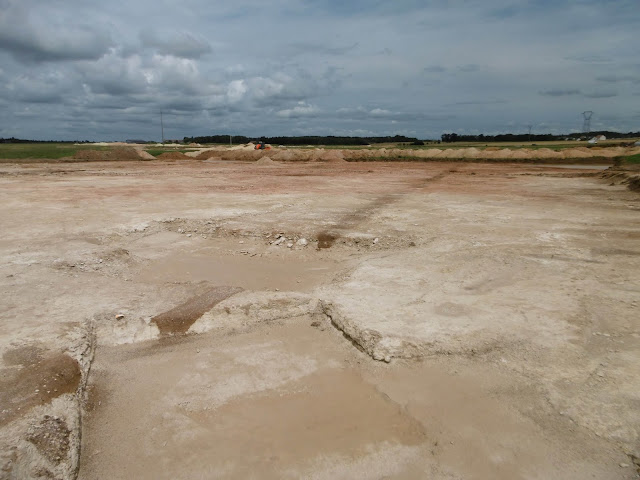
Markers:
<point>236,90</point>
<point>302,109</point>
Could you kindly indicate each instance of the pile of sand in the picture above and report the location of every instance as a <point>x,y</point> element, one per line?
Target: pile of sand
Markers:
<point>206,154</point>
<point>285,156</point>
<point>578,153</point>
<point>265,161</point>
<point>145,155</point>
<point>331,156</point>
<point>173,156</point>
<point>117,153</point>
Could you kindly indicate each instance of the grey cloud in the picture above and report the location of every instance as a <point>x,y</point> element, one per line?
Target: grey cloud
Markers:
<point>558,92</point>
<point>601,94</point>
<point>320,49</point>
<point>434,69</point>
<point>468,68</point>
<point>481,102</point>
<point>376,114</point>
<point>178,44</point>
<point>589,58</point>
<point>49,39</point>
<point>618,78</point>
<point>110,81</point>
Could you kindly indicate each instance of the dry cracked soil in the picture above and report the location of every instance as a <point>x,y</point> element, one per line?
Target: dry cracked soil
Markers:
<point>224,319</point>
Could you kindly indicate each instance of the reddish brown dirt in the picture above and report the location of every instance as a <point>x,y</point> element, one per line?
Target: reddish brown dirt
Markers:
<point>36,383</point>
<point>115,153</point>
<point>179,319</point>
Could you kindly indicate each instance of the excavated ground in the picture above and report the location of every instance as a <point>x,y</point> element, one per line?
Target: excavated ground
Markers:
<point>221,319</point>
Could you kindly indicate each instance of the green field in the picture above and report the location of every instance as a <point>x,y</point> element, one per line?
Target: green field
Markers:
<point>632,159</point>
<point>42,150</point>
<point>156,152</point>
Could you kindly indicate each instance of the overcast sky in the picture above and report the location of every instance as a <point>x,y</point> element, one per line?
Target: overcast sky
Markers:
<point>85,69</point>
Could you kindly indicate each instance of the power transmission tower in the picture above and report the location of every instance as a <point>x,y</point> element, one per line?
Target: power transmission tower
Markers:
<point>586,125</point>
<point>162,126</point>
<point>529,127</point>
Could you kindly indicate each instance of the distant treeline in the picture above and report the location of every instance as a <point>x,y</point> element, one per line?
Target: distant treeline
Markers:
<point>310,140</point>
<point>525,137</point>
<point>20,140</point>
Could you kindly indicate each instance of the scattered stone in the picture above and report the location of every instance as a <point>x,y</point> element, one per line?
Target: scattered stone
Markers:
<point>302,242</point>
<point>376,240</point>
<point>290,244</point>
<point>188,235</point>
<point>624,465</point>
<point>120,316</point>
<point>280,240</point>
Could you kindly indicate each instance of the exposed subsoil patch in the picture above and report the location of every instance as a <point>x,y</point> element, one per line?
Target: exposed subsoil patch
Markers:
<point>627,175</point>
<point>51,438</point>
<point>326,240</point>
<point>36,383</point>
<point>116,153</point>
<point>351,220</point>
<point>178,320</point>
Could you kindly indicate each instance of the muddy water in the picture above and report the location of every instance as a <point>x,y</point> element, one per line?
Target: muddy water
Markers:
<point>245,271</point>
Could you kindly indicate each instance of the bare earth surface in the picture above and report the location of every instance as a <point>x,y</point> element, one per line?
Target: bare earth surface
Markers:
<point>221,319</point>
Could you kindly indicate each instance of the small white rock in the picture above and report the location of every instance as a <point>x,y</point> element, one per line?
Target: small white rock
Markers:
<point>289,245</point>
<point>376,240</point>
<point>302,242</point>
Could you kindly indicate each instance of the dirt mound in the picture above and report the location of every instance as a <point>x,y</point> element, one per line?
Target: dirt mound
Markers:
<point>547,153</point>
<point>634,183</point>
<point>145,155</point>
<point>117,153</point>
<point>265,161</point>
<point>577,153</point>
<point>173,156</point>
<point>285,156</point>
<point>332,156</point>
<point>206,154</point>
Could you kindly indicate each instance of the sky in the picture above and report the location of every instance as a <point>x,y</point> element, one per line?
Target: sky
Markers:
<point>104,70</point>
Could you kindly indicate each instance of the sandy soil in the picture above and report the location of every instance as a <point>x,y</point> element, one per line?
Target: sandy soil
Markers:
<point>220,319</point>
